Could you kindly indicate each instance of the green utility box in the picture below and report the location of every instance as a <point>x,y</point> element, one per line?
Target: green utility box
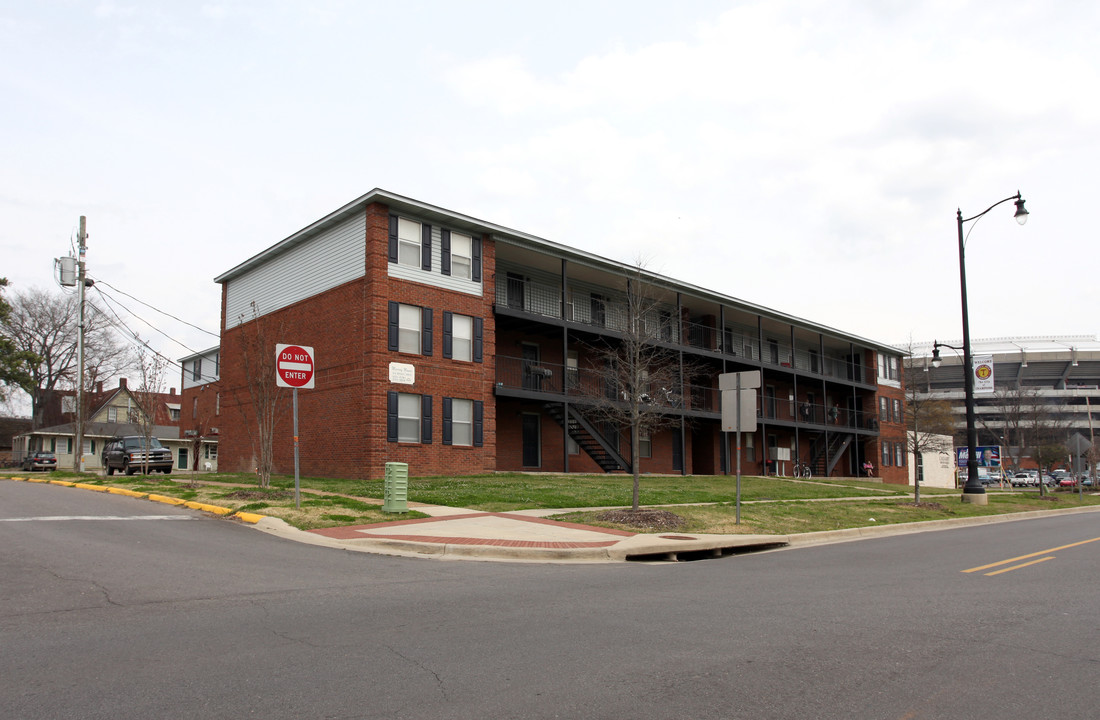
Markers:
<point>395,491</point>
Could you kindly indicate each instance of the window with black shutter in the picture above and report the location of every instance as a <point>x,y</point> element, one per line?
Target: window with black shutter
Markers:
<point>426,330</point>
<point>475,265</point>
<point>426,247</point>
<point>392,250</point>
<point>479,423</point>
<point>394,326</point>
<point>447,433</point>
<point>448,333</point>
<point>426,419</point>
<point>391,416</point>
<point>445,248</point>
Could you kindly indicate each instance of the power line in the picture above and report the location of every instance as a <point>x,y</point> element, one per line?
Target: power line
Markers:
<point>162,312</point>
<point>119,324</point>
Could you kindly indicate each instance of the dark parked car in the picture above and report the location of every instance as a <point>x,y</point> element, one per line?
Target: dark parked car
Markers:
<point>40,461</point>
<point>128,454</point>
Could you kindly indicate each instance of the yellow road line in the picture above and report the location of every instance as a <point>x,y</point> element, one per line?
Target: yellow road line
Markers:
<point>1021,565</point>
<point>1030,555</point>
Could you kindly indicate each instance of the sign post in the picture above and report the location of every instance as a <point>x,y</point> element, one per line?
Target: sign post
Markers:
<point>739,412</point>
<point>294,369</point>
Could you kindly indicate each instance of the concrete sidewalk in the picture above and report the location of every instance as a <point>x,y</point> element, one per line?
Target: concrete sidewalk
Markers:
<point>522,535</point>
<point>529,536</point>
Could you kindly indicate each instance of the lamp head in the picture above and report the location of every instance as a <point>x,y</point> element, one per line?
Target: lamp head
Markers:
<point>936,356</point>
<point>1021,211</point>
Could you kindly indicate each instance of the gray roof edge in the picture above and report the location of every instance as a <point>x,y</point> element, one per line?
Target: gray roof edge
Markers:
<point>102,429</point>
<point>200,353</point>
<point>393,200</point>
<point>516,237</point>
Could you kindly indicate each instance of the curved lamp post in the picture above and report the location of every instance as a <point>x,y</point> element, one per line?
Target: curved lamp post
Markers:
<point>973,491</point>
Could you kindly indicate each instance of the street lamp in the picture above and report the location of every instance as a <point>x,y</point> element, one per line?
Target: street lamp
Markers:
<point>973,491</point>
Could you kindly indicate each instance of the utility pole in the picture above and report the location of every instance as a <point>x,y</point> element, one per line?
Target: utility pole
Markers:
<point>78,453</point>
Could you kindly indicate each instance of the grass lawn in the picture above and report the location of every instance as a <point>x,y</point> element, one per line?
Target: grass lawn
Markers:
<point>769,505</point>
<point>519,491</point>
<point>788,518</point>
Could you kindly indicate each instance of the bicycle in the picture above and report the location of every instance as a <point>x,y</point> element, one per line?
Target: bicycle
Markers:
<point>802,470</point>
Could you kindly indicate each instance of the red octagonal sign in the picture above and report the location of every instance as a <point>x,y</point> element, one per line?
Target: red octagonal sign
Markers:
<point>294,366</point>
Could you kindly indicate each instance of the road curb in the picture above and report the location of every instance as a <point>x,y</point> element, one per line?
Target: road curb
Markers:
<point>251,518</point>
<point>638,547</point>
<point>831,536</point>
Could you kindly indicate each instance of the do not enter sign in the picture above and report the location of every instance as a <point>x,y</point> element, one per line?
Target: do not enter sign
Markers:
<point>294,366</point>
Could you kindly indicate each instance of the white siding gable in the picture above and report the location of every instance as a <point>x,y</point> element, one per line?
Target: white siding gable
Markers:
<point>320,263</point>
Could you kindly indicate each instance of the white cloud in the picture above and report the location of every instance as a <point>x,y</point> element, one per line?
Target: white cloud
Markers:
<point>804,155</point>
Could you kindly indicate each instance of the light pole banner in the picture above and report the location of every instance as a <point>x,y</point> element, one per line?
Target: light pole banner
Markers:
<point>983,374</point>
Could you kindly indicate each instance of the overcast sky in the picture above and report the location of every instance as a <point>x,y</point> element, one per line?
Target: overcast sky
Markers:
<point>807,156</point>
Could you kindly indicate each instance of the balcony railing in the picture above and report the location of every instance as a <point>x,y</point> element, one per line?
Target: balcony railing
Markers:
<point>544,299</point>
<point>515,373</point>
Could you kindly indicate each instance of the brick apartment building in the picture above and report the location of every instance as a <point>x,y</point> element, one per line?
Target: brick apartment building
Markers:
<point>462,347</point>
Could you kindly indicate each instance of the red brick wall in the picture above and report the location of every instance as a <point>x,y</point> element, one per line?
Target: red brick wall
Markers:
<point>342,421</point>
<point>891,432</point>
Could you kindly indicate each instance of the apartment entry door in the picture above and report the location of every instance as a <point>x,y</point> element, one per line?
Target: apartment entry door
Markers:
<point>532,440</point>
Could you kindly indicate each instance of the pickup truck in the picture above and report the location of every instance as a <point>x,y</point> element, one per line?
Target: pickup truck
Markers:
<point>130,455</point>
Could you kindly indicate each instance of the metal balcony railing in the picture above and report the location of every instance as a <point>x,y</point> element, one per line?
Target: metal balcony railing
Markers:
<point>540,298</point>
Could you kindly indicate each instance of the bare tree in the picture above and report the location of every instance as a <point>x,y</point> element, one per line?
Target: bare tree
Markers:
<point>928,421</point>
<point>45,325</point>
<point>1017,405</point>
<point>151,369</point>
<point>1044,429</point>
<point>257,338</point>
<point>638,379</point>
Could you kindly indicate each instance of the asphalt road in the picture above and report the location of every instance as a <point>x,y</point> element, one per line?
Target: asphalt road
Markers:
<point>117,608</point>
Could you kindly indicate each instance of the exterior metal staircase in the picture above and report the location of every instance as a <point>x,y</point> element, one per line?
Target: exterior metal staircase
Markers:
<point>588,438</point>
<point>824,457</point>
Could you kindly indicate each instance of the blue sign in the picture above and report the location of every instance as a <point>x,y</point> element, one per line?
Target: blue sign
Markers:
<point>988,456</point>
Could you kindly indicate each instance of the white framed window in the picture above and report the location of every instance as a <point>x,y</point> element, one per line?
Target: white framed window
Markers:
<point>462,422</point>
<point>408,242</point>
<point>888,368</point>
<point>112,414</point>
<point>174,413</point>
<point>462,337</point>
<point>408,329</point>
<point>462,261</point>
<point>408,418</point>
<point>645,446</point>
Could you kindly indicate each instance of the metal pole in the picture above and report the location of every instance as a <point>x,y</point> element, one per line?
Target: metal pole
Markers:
<point>297,487</point>
<point>1092,441</point>
<point>973,487</point>
<point>78,451</point>
<point>739,448</point>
